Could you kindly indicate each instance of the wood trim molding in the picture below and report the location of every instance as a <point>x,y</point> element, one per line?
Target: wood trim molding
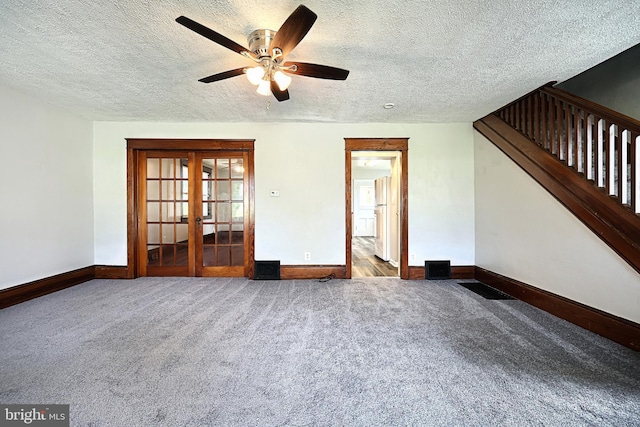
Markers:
<point>111,272</point>
<point>38,288</point>
<point>457,272</point>
<point>379,144</point>
<point>289,272</point>
<point>376,144</point>
<point>607,325</point>
<point>250,221</point>
<point>616,225</point>
<point>348,191</point>
<point>137,148</point>
<point>404,212</point>
<point>132,209</point>
<point>190,144</point>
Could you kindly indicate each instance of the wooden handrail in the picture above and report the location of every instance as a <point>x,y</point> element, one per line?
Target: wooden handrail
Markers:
<point>586,155</point>
<point>595,141</point>
<point>612,222</point>
<point>602,111</point>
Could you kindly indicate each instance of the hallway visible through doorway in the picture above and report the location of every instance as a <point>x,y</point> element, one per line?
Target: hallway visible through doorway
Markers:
<point>365,263</point>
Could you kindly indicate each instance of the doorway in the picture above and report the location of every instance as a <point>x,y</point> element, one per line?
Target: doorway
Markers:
<point>376,207</point>
<point>193,211</point>
<point>376,237</point>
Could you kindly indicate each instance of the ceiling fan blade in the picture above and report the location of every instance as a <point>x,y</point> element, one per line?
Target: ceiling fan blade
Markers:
<point>222,76</point>
<point>294,29</point>
<point>316,70</point>
<point>281,95</point>
<point>213,36</point>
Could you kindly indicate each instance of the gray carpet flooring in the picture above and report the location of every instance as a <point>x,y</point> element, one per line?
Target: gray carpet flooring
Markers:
<point>366,352</point>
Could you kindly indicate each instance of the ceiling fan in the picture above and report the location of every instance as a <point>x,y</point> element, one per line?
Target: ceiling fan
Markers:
<point>268,49</point>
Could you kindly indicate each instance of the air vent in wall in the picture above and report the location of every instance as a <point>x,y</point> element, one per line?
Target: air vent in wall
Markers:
<point>437,270</point>
<point>267,270</point>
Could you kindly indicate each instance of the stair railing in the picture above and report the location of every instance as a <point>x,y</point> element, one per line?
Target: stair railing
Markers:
<point>598,143</point>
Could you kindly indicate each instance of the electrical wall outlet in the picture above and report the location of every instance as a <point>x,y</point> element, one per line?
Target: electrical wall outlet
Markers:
<point>307,256</point>
<point>413,257</point>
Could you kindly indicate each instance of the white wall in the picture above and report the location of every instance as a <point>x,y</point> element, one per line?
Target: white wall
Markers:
<point>524,233</point>
<point>441,203</point>
<point>47,196</point>
<point>305,162</point>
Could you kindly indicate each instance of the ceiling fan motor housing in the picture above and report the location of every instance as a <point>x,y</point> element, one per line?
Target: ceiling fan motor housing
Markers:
<point>259,42</point>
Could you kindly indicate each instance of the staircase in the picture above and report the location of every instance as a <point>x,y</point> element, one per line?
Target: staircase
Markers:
<point>586,155</point>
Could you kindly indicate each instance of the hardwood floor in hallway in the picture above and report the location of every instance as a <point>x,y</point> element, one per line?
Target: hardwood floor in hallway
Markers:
<point>364,261</point>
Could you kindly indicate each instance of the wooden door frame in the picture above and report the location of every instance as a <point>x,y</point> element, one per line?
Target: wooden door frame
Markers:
<point>136,145</point>
<point>379,144</point>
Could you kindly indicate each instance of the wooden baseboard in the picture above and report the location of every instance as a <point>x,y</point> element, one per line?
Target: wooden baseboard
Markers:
<point>111,272</point>
<point>38,288</point>
<point>457,272</point>
<point>288,272</point>
<point>607,325</point>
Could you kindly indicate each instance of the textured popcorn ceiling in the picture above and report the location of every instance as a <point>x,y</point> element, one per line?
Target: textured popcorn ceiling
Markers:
<point>438,61</point>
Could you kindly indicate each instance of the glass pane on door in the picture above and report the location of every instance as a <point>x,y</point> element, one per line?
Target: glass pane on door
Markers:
<point>223,198</point>
<point>167,207</point>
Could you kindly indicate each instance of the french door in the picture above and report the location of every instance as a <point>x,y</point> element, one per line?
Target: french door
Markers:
<point>194,210</point>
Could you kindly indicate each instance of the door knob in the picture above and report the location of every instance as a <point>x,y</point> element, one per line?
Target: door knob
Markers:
<point>198,221</point>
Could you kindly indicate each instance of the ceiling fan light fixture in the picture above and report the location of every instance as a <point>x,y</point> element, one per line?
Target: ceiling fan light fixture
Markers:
<point>282,80</point>
<point>255,74</point>
<point>264,88</point>
<point>269,49</point>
